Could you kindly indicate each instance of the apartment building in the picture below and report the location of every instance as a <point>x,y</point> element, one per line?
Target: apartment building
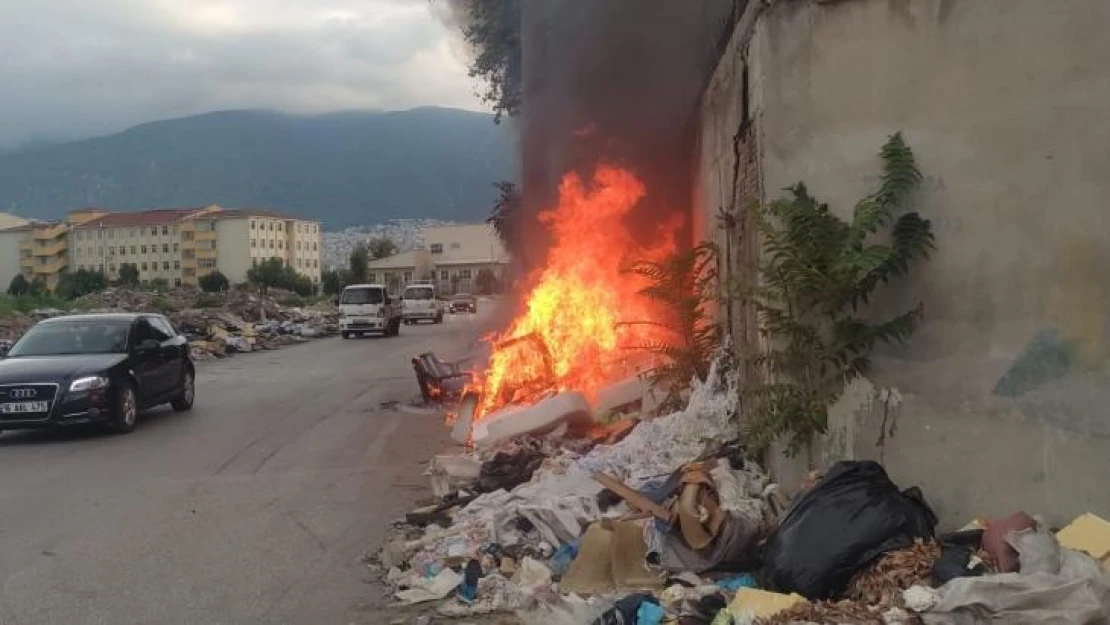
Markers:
<point>234,240</point>
<point>175,245</point>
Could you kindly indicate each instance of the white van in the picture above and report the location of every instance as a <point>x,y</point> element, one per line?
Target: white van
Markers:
<point>368,308</point>
<point>421,302</point>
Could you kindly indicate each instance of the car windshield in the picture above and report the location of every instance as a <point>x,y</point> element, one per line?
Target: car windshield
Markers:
<point>419,294</point>
<point>463,296</point>
<point>362,296</point>
<point>61,338</point>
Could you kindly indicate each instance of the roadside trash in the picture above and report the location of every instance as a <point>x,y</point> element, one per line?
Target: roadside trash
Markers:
<point>882,581</point>
<point>736,583</point>
<point>431,589</point>
<point>1090,534</point>
<point>852,516</point>
<point>508,469</point>
<point>468,588</point>
<point>532,573</point>
<point>752,602</point>
<point>994,540</point>
<point>539,418</point>
<point>562,558</point>
<point>626,611</point>
<point>450,473</point>
<point>1055,585</point>
<point>650,614</point>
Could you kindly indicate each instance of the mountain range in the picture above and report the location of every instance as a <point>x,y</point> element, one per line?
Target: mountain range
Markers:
<point>343,168</point>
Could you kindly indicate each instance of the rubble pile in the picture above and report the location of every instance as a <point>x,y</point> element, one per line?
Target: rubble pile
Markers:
<point>671,522</point>
<point>216,325</point>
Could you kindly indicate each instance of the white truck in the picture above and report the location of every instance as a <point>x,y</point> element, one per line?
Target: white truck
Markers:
<point>368,309</point>
<point>420,302</point>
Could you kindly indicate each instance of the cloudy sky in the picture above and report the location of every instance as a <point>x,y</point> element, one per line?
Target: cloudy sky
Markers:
<point>75,68</point>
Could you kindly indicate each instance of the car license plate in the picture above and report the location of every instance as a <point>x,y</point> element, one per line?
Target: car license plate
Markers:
<point>20,407</point>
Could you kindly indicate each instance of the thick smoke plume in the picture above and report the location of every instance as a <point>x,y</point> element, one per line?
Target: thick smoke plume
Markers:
<point>618,81</point>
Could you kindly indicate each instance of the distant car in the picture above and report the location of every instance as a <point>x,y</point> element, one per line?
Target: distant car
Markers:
<point>463,302</point>
<point>104,368</point>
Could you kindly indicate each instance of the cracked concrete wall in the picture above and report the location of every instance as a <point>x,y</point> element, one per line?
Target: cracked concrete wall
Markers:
<point>1004,388</point>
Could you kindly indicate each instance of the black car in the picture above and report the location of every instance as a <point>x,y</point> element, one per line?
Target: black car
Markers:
<point>103,368</point>
<point>462,303</point>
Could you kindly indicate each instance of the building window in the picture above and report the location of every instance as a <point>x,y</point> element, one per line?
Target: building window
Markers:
<point>177,281</point>
<point>455,245</point>
<point>132,234</point>
<point>174,248</point>
<point>408,276</point>
<point>298,245</point>
<point>165,265</point>
<point>252,224</point>
<point>437,248</point>
<point>372,277</point>
<point>112,267</point>
<point>313,246</point>
<point>252,242</point>
<point>254,262</point>
<point>443,275</point>
<point>165,248</point>
<point>281,245</point>
<point>271,226</point>
<point>143,248</point>
<point>144,266</point>
<point>271,244</point>
<point>315,264</point>
<point>165,231</point>
<point>177,264</point>
<point>464,274</point>
<point>154,231</point>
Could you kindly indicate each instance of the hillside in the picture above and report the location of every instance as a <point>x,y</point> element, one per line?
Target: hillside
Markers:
<point>344,169</point>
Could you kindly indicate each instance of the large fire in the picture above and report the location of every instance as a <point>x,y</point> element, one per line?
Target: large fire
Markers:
<point>582,314</point>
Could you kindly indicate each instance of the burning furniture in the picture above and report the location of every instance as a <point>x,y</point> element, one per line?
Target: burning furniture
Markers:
<point>440,381</point>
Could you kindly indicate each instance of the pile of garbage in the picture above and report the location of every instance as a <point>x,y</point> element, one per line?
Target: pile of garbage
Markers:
<point>666,520</point>
<point>217,325</point>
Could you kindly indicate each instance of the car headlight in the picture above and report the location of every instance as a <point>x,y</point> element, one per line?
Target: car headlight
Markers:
<point>91,383</point>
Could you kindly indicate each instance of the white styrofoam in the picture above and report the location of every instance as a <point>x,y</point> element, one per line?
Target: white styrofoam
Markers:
<point>538,418</point>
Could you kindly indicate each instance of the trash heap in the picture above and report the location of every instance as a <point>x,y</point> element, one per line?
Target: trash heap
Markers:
<point>666,520</point>
<point>217,325</point>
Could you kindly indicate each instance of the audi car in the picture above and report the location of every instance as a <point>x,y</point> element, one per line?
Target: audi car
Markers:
<point>103,368</point>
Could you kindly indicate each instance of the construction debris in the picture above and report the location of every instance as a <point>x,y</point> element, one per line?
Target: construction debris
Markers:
<point>216,324</point>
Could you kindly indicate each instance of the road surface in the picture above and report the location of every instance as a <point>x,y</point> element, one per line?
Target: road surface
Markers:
<point>254,508</point>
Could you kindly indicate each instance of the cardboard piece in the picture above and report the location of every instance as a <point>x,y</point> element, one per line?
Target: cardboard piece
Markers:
<point>1090,534</point>
<point>628,552</point>
<point>591,573</point>
<point>762,603</point>
<point>633,497</point>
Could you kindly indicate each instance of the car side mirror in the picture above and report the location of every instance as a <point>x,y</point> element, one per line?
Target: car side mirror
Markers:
<point>148,345</point>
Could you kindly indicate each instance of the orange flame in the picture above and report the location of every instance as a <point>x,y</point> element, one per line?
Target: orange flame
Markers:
<point>570,335</point>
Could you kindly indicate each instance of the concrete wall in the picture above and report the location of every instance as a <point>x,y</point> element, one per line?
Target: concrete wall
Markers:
<point>10,241</point>
<point>1002,394</point>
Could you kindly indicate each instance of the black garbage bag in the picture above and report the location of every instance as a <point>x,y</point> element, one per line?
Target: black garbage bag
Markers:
<point>851,517</point>
<point>624,612</point>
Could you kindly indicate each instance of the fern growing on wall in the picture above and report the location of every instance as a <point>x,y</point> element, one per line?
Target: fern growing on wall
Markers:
<point>816,270</point>
<point>684,287</point>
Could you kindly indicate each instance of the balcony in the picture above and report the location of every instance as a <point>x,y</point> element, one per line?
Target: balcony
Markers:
<point>50,232</point>
<point>27,245</point>
<point>205,235</point>
<point>50,267</point>
<point>189,263</point>
<point>50,248</point>
<point>206,253</point>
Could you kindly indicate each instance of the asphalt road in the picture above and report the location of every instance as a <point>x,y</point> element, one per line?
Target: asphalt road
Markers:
<point>255,507</point>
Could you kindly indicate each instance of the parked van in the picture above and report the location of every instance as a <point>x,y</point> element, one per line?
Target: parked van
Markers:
<point>421,302</point>
<point>368,308</point>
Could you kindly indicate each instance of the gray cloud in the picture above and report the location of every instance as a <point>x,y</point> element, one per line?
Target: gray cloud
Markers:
<point>75,68</point>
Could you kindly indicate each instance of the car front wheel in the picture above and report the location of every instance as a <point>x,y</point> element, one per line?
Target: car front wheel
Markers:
<point>184,401</point>
<point>126,409</point>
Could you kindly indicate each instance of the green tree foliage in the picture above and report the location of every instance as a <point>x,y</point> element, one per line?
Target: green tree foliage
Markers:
<point>684,288</point>
<point>816,271</point>
<point>506,215</point>
<point>359,264</point>
<point>266,274</point>
<point>332,281</point>
<point>381,247</point>
<point>159,284</point>
<point>19,286</point>
<point>128,275</point>
<point>493,32</point>
<point>273,273</point>
<point>72,285</point>
<point>214,282</point>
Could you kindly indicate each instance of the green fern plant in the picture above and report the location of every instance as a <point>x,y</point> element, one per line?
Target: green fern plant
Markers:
<point>683,287</point>
<point>816,270</point>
